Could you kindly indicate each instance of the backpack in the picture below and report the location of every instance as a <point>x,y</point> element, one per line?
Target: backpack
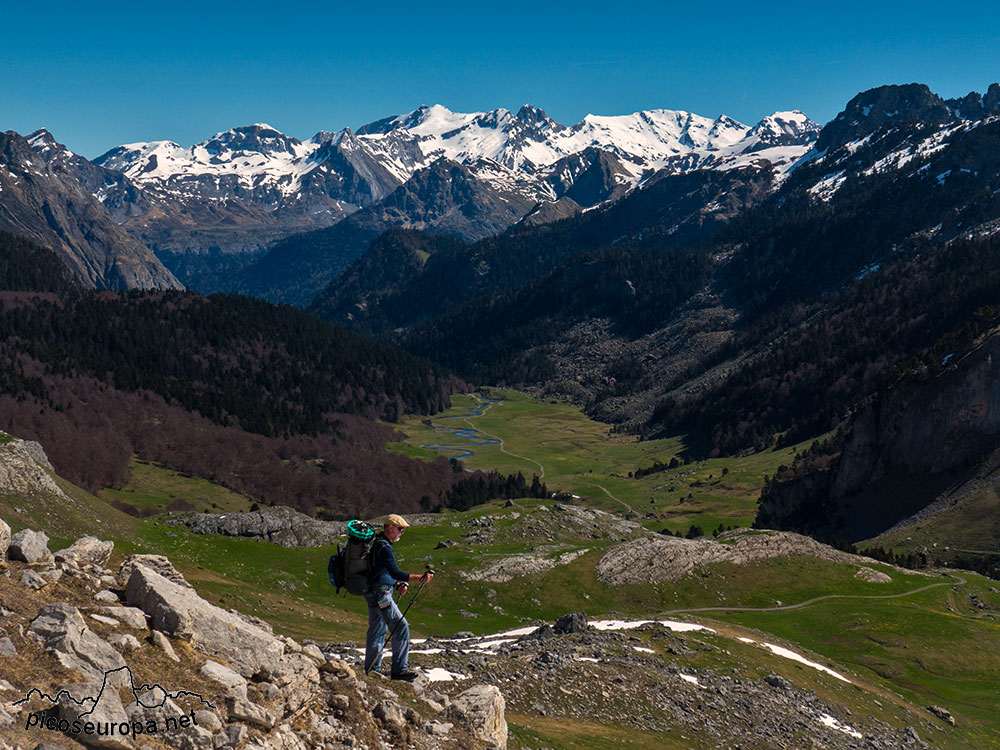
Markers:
<point>349,567</point>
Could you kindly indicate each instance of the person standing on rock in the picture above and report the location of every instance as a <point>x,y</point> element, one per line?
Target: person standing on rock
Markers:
<point>383,614</point>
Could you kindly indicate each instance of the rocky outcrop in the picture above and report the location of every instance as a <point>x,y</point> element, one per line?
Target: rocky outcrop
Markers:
<point>88,550</point>
<point>515,566</point>
<point>179,611</point>
<point>29,546</point>
<point>61,629</point>
<point>571,622</point>
<point>23,473</point>
<point>667,558</point>
<point>156,563</point>
<point>278,525</point>
<point>870,575</point>
<point>255,690</point>
<point>481,710</point>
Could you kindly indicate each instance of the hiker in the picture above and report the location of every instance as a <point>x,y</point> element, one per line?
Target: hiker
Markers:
<point>383,614</point>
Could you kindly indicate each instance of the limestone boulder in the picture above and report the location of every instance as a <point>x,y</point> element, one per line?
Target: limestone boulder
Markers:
<point>127,642</point>
<point>32,580</point>
<point>132,617</point>
<point>88,550</point>
<point>233,682</point>
<point>241,710</point>
<point>29,546</point>
<point>81,702</point>
<point>158,563</point>
<point>61,629</point>
<point>176,608</point>
<point>480,709</point>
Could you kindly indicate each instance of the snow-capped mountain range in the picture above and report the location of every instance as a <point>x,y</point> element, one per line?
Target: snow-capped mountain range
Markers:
<point>514,152</point>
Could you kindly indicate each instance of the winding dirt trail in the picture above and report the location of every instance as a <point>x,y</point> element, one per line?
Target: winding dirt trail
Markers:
<point>954,578</point>
<point>608,493</point>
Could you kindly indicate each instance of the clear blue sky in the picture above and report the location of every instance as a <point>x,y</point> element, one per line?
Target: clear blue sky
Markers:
<point>98,74</point>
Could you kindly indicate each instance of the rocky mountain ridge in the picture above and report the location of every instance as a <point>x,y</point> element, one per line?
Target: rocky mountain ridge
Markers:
<point>46,202</point>
<point>245,187</point>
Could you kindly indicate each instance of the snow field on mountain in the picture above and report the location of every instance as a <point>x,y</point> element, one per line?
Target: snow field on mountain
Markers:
<point>512,152</point>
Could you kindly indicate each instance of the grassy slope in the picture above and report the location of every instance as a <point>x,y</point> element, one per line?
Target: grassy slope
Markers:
<point>911,651</point>
<point>155,487</point>
<point>971,525</point>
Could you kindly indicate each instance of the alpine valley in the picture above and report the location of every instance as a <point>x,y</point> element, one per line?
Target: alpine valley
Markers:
<point>697,421</point>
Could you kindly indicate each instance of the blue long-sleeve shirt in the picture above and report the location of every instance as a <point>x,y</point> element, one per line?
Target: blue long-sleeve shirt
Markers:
<point>384,568</point>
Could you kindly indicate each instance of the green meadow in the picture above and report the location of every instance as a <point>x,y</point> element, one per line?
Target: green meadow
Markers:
<point>573,453</point>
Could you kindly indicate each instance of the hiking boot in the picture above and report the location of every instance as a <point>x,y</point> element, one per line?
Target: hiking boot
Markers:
<point>408,675</point>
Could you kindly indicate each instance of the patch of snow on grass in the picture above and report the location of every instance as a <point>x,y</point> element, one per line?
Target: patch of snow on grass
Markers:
<point>684,627</point>
<point>690,678</point>
<point>831,722</point>
<point>439,674</point>
<point>644,650</point>
<point>629,625</point>
<point>517,632</point>
<point>781,651</point>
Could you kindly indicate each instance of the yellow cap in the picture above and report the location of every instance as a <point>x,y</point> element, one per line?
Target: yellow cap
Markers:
<point>396,520</point>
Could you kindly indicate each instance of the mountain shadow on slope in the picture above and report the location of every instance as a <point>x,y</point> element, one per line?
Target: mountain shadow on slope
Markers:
<point>925,437</point>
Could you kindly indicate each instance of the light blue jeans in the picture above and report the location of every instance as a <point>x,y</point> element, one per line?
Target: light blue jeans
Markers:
<point>384,616</point>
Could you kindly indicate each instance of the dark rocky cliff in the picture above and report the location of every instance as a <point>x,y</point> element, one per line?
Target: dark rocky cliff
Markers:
<point>905,448</point>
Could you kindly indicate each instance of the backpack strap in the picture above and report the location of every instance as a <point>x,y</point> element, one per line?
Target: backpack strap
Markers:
<point>373,573</point>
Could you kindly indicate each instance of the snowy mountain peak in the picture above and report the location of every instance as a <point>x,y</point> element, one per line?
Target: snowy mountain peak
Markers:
<point>43,140</point>
<point>260,137</point>
<point>533,116</point>
<point>786,128</point>
<point>524,154</point>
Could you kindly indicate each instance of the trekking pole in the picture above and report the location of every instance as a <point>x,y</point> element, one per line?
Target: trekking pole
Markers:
<point>403,616</point>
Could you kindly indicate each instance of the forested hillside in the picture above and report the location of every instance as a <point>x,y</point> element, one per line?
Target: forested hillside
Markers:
<point>264,399</point>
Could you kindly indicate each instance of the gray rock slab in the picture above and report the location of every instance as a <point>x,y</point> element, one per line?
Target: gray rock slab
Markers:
<point>481,710</point>
<point>233,682</point>
<point>126,642</point>
<point>107,711</point>
<point>178,610</point>
<point>61,629</point>
<point>162,642</point>
<point>157,563</point>
<point>88,550</point>
<point>29,546</point>
<point>131,617</point>
<point>241,710</point>
<point>32,580</point>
